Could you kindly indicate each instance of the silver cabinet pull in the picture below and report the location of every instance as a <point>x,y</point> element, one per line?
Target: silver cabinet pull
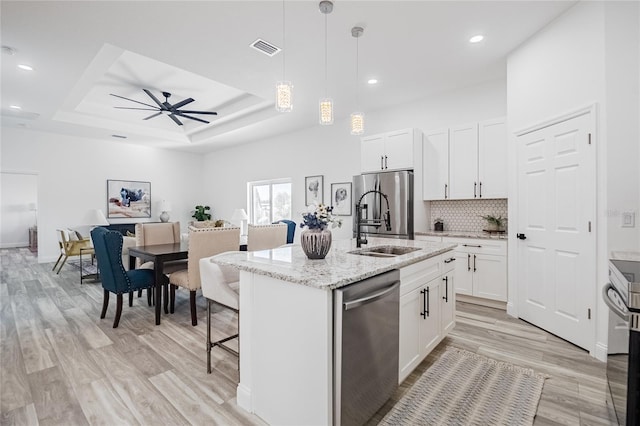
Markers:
<point>471,245</point>
<point>445,191</point>
<point>480,189</point>
<point>474,189</point>
<point>474,263</point>
<point>446,289</point>
<point>385,162</point>
<point>468,262</point>
<point>381,163</point>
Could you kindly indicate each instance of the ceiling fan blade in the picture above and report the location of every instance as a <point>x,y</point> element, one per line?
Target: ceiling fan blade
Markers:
<point>191,118</point>
<point>153,115</point>
<point>141,109</point>
<point>182,103</point>
<point>198,112</point>
<point>171,116</point>
<point>154,98</point>
<point>132,100</point>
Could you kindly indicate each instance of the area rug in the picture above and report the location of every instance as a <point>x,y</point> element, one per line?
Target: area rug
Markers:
<point>88,268</point>
<point>463,388</point>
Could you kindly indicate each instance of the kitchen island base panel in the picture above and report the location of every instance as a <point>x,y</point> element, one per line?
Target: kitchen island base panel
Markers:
<point>286,351</point>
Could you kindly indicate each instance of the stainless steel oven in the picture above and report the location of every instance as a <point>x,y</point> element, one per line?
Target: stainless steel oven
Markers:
<point>622,296</point>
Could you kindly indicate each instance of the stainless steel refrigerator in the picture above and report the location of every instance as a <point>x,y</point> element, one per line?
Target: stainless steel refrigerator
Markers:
<point>398,187</point>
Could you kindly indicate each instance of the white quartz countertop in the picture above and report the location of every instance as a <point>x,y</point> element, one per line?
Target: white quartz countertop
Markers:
<point>464,234</point>
<point>338,269</point>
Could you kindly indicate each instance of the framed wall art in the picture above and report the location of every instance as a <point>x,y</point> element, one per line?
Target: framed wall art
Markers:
<point>126,199</point>
<point>313,190</point>
<point>341,198</point>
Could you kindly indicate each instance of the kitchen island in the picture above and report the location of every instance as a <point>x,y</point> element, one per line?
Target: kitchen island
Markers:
<point>286,321</point>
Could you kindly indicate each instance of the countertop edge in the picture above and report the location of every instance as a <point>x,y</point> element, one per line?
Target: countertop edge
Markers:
<point>399,262</point>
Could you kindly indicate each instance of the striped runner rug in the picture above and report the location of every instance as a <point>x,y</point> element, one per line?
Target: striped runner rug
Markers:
<point>463,388</point>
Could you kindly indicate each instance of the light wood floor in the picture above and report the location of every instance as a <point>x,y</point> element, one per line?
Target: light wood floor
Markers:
<point>61,365</point>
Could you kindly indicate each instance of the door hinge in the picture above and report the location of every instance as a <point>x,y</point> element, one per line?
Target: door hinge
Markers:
<point>589,226</point>
<point>589,313</point>
<point>589,138</point>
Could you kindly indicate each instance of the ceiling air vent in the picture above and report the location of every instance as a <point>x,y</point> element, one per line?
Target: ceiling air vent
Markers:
<point>265,47</point>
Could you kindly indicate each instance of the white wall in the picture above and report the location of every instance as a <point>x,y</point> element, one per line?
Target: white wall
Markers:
<point>73,172</point>
<point>19,191</point>
<point>572,63</point>
<point>331,151</point>
<point>622,28</point>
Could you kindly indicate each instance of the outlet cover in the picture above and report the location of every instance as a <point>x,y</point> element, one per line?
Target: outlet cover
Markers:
<point>628,219</point>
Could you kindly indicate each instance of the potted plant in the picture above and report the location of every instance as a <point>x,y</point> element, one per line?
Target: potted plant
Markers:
<point>201,213</point>
<point>316,240</point>
<point>495,223</point>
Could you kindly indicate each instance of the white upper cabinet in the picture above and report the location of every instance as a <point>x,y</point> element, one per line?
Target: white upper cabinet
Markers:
<point>492,158</point>
<point>466,162</point>
<point>389,151</point>
<point>435,165</point>
<point>463,161</point>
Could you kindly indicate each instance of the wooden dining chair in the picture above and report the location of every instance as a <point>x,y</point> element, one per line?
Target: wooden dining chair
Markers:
<point>203,242</point>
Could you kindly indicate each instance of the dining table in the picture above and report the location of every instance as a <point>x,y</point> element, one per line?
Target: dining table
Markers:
<point>159,254</point>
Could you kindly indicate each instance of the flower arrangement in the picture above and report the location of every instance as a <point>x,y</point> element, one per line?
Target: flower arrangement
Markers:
<point>320,218</point>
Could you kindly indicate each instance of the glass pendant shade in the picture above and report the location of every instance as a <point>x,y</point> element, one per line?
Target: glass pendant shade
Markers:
<point>284,102</point>
<point>357,123</point>
<point>326,111</point>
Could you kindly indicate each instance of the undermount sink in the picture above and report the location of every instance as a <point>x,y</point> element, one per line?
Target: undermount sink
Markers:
<point>384,251</point>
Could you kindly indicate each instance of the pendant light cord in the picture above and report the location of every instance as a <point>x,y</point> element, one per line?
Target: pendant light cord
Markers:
<point>357,69</point>
<point>284,50</point>
<point>325,55</point>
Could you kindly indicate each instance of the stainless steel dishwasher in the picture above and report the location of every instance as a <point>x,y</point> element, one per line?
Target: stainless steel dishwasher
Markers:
<point>366,339</point>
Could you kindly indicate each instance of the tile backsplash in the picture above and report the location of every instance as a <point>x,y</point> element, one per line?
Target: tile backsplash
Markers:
<point>465,215</point>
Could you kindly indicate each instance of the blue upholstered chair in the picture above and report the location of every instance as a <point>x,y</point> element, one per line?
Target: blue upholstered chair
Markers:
<point>115,279</point>
<point>291,229</point>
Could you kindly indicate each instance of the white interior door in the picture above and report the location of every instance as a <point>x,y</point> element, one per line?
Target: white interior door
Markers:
<point>556,212</point>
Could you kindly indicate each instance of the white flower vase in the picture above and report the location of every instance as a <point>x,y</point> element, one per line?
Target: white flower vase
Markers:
<point>315,243</point>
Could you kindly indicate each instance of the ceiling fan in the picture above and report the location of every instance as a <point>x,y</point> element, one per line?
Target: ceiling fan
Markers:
<point>166,108</point>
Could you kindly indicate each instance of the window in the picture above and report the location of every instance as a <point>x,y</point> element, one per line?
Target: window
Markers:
<point>269,201</point>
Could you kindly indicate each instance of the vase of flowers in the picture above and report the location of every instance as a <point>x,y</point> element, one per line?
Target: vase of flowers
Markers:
<point>316,239</point>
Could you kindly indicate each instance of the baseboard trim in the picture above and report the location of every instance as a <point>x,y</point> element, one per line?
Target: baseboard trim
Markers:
<point>600,352</point>
<point>481,301</point>
<point>243,395</point>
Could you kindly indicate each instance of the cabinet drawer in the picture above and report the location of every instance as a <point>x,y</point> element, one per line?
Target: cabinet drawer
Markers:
<point>472,245</point>
<point>448,261</point>
<point>420,273</point>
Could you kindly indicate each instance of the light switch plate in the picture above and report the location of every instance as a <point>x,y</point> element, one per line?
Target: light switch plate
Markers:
<point>628,219</point>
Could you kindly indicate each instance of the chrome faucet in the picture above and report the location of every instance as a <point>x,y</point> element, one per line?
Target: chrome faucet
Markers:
<point>360,222</point>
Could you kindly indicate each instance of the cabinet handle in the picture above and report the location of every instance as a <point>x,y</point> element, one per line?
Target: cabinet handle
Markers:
<point>381,163</point>
<point>480,189</point>
<point>474,189</point>
<point>468,262</point>
<point>451,259</point>
<point>471,245</point>
<point>445,191</point>
<point>446,289</point>
<point>427,310</point>
<point>474,263</point>
<point>423,292</point>
<point>385,162</point>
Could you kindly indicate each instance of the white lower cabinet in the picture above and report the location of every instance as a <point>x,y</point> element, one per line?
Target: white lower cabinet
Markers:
<point>427,310</point>
<point>481,268</point>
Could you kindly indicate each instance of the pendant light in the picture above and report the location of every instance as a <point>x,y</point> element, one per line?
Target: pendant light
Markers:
<point>284,100</point>
<point>326,104</point>
<point>357,118</point>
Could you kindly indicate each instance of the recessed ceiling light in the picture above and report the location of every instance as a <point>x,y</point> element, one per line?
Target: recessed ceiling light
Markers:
<point>25,67</point>
<point>476,38</point>
<point>15,107</point>
<point>372,81</point>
